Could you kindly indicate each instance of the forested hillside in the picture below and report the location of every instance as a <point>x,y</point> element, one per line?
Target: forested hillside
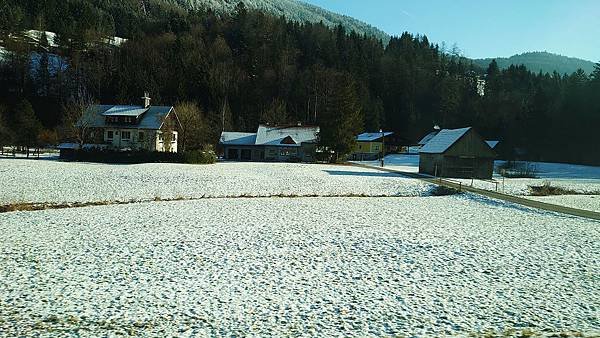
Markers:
<point>248,67</point>
<point>542,61</point>
<point>292,10</point>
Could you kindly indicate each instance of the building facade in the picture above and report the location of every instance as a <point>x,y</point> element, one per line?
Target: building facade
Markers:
<point>271,143</point>
<point>370,146</point>
<point>457,153</point>
<point>149,128</point>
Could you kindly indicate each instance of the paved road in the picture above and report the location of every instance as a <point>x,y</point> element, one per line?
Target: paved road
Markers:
<point>492,194</point>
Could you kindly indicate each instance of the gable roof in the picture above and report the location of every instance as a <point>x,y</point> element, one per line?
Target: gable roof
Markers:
<point>444,140</point>
<point>272,136</point>
<point>151,118</point>
<point>370,137</point>
<point>428,137</point>
<point>492,144</point>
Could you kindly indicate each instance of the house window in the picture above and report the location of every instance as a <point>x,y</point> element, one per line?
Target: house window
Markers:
<point>141,136</point>
<point>110,135</point>
<point>377,147</point>
<point>126,135</point>
<point>174,137</point>
<point>160,137</point>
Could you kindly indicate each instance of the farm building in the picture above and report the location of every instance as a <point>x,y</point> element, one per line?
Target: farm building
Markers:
<point>146,127</point>
<point>429,136</point>
<point>271,143</point>
<point>457,153</point>
<point>369,146</point>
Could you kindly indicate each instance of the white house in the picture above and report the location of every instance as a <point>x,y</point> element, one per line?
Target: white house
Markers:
<point>272,143</point>
<point>146,127</point>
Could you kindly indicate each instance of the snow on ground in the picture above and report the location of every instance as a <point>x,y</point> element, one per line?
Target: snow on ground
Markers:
<point>408,163</point>
<point>579,178</point>
<point>42,181</point>
<point>298,267</point>
<point>586,202</point>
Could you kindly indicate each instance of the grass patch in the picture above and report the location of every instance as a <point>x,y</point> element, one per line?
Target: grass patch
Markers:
<point>441,190</point>
<point>547,189</point>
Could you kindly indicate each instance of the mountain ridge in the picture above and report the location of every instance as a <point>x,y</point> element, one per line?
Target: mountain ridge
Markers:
<point>541,61</point>
<point>294,10</point>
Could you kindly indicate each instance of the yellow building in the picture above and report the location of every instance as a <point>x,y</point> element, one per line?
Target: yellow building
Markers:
<point>369,146</point>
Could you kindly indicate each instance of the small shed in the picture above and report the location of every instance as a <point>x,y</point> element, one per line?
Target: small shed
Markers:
<point>457,153</point>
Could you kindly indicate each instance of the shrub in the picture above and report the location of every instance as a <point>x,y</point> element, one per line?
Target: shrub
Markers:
<point>514,169</point>
<point>441,190</point>
<point>548,190</point>
<point>134,157</point>
<point>200,157</point>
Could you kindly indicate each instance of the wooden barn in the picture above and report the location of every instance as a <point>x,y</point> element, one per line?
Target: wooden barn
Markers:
<point>457,153</point>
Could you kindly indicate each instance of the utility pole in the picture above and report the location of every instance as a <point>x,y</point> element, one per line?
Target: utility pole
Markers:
<point>382,147</point>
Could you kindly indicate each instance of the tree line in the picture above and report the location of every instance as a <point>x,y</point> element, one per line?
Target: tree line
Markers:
<point>232,72</point>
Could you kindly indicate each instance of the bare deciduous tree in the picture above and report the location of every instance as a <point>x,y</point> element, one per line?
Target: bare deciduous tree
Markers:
<point>79,118</point>
<point>192,125</point>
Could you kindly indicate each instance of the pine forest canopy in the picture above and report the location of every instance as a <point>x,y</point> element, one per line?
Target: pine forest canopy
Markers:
<point>243,67</point>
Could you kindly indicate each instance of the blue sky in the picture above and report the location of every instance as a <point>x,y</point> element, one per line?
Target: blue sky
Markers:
<point>486,28</point>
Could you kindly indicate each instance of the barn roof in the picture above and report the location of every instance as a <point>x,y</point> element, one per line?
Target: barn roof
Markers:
<point>369,137</point>
<point>151,118</point>
<point>428,138</point>
<point>444,140</point>
<point>292,136</point>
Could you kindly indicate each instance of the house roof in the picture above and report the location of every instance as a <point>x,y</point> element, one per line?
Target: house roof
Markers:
<point>273,136</point>
<point>492,144</point>
<point>238,139</point>
<point>369,137</point>
<point>151,118</point>
<point>428,137</point>
<point>443,140</point>
<point>134,111</point>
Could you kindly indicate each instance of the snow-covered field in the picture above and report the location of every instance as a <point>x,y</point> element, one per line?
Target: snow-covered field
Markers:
<point>298,267</point>
<point>46,181</point>
<point>581,179</point>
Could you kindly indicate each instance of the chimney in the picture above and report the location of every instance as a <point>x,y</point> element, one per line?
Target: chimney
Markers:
<point>146,99</point>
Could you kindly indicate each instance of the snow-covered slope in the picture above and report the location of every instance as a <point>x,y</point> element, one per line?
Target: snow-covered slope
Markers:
<point>291,9</point>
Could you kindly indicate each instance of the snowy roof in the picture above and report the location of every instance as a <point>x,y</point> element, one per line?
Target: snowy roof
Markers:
<point>238,139</point>
<point>369,137</point>
<point>273,136</point>
<point>152,118</point>
<point>428,137</point>
<point>492,144</point>
<point>444,140</point>
<point>125,111</point>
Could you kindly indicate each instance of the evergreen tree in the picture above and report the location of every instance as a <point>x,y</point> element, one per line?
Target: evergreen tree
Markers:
<point>26,124</point>
<point>341,120</point>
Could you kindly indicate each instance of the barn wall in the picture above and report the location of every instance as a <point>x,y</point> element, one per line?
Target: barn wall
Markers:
<point>472,145</point>
<point>463,167</point>
<point>428,162</point>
